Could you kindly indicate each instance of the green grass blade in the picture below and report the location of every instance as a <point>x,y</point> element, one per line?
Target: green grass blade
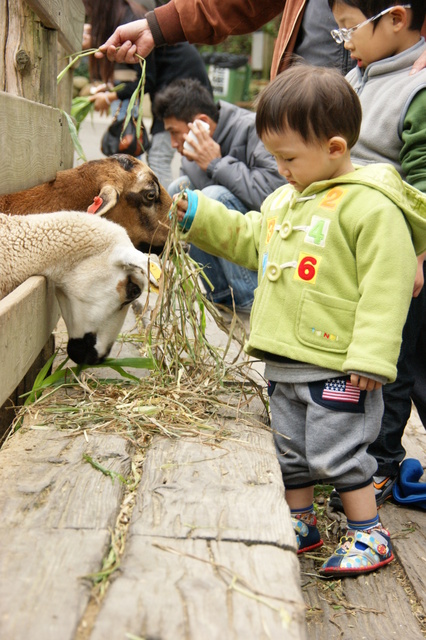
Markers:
<point>74,136</point>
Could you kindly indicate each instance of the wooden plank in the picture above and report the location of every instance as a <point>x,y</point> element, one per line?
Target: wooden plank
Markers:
<point>373,606</point>
<point>382,604</point>
<point>30,59</point>
<point>56,512</point>
<point>224,492</point>
<point>211,551</point>
<point>28,316</point>
<point>3,39</point>
<point>197,589</point>
<point>32,147</point>
<point>18,397</point>
<point>408,530</point>
<point>46,484</point>
<point>42,590</point>
<point>67,18</point>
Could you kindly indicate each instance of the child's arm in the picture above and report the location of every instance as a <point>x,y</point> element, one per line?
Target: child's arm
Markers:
<point>222,232</point>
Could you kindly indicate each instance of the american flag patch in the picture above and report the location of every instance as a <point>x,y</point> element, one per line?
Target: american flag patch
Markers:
<point>341,390</point>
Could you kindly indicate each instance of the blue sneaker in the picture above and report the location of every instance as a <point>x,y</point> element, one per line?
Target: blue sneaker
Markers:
<point>307,535</point>
<point>359,552</point>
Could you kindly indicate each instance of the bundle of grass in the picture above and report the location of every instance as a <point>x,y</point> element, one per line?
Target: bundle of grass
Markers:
<point>190,387</point>
<point>82,106</point>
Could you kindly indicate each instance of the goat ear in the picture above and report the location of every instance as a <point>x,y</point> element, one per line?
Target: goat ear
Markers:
<point>108,198</point>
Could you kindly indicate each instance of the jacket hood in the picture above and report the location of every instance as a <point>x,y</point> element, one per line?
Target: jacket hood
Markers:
<point>386,179</point>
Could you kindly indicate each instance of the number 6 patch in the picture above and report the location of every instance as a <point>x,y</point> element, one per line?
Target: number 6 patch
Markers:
<point>307,268</point>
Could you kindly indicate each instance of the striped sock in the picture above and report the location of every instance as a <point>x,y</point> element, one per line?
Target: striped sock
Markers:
<point>306,514</point>
<point>363,525</point>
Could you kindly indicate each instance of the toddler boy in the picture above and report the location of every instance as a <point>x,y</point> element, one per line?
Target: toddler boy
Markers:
<point>331,248</point>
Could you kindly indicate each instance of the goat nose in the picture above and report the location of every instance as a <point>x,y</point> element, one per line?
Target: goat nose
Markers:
<point>83,350</point>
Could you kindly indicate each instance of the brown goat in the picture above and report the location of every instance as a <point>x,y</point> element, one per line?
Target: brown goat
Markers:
<point>121,188</point>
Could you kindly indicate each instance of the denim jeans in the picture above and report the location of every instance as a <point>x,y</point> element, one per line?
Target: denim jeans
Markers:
<point>160,156</point>
<point>397,396</point>
<point>223,275</point>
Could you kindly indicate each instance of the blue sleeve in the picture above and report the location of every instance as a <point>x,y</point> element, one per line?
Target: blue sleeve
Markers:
<point>189,216</point>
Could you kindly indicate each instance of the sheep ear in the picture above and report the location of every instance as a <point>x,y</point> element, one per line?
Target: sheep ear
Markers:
<point>106,200</point>
<point>135,261</point>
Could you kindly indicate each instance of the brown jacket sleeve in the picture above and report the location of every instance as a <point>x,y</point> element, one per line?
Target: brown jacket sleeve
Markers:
<point>211,21</point>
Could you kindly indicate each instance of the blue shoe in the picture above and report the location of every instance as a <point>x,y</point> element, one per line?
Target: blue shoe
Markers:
<point>410,489</point>
<point>307,535</point>
<point>359,552</point>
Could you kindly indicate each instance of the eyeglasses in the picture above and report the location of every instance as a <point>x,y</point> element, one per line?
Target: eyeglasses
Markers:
<point>345,35</point>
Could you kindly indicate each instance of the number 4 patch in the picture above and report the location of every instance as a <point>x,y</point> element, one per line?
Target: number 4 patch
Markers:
<point>317,231</point>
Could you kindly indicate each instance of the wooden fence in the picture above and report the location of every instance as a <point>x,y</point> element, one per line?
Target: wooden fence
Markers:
<point>36,36</point>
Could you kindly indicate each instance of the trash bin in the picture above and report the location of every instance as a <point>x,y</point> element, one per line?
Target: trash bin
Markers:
<point>229,75</point>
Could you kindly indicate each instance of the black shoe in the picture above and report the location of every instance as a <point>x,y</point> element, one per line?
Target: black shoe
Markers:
<point>383,488</point>
<point>335,501</point>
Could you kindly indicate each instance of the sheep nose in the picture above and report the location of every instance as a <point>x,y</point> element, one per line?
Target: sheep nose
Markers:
<point>83,350</point>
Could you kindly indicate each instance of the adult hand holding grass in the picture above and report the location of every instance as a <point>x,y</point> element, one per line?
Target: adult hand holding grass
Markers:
<point>127,43</point>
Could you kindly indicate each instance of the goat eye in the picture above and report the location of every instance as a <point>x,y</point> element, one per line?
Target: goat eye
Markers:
<point>151,195</point>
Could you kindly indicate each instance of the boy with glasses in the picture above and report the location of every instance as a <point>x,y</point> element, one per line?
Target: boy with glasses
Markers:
<point>320,318</point>
<point>385,41</point>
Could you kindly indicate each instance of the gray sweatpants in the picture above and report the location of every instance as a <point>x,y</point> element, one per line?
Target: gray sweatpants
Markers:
<point>322,439</point>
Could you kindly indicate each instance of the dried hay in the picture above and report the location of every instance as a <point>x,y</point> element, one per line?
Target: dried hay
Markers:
<point>192,386</point>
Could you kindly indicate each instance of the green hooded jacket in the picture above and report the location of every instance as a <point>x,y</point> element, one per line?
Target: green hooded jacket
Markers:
<point>336,266</point>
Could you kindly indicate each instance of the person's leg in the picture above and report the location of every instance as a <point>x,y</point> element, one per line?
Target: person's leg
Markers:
<point>224,275</point>
<point>360,504</point>
<point>288,415</point>
<point>419,371</point>
<point>387,448</point>
<point>345,462</point>
<point>160,156</point>
<point>418,362</point>
<point>176,186</point>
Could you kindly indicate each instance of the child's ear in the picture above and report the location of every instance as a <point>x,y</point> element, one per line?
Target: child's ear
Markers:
<point>337,146</point>
<point>399,18</point>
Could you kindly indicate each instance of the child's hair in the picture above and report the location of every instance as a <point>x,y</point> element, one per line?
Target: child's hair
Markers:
<point>184,99</point>
<point>371,8</point>
<point>316,102</point>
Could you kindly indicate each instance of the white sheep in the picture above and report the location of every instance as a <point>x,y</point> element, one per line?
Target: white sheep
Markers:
<point>94,266</point>
<point>121,188</point>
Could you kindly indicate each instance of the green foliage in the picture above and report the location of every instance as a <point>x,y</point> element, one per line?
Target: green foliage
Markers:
<point>240,45</point>
<point>64,375</point>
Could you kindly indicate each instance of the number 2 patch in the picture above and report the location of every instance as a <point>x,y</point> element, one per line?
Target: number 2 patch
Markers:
<point>307,268</point>
<point>332,198</point>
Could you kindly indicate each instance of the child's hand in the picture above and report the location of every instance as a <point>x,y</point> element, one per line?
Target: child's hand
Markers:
<point>364,383</point>
<point>419,280</point>
<point>181,206</point>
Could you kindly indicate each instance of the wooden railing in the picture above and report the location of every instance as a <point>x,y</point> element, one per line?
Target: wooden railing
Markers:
<point>36,36</point>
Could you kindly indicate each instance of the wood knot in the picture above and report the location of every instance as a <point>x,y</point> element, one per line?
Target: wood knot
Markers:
<point>23,61</point>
